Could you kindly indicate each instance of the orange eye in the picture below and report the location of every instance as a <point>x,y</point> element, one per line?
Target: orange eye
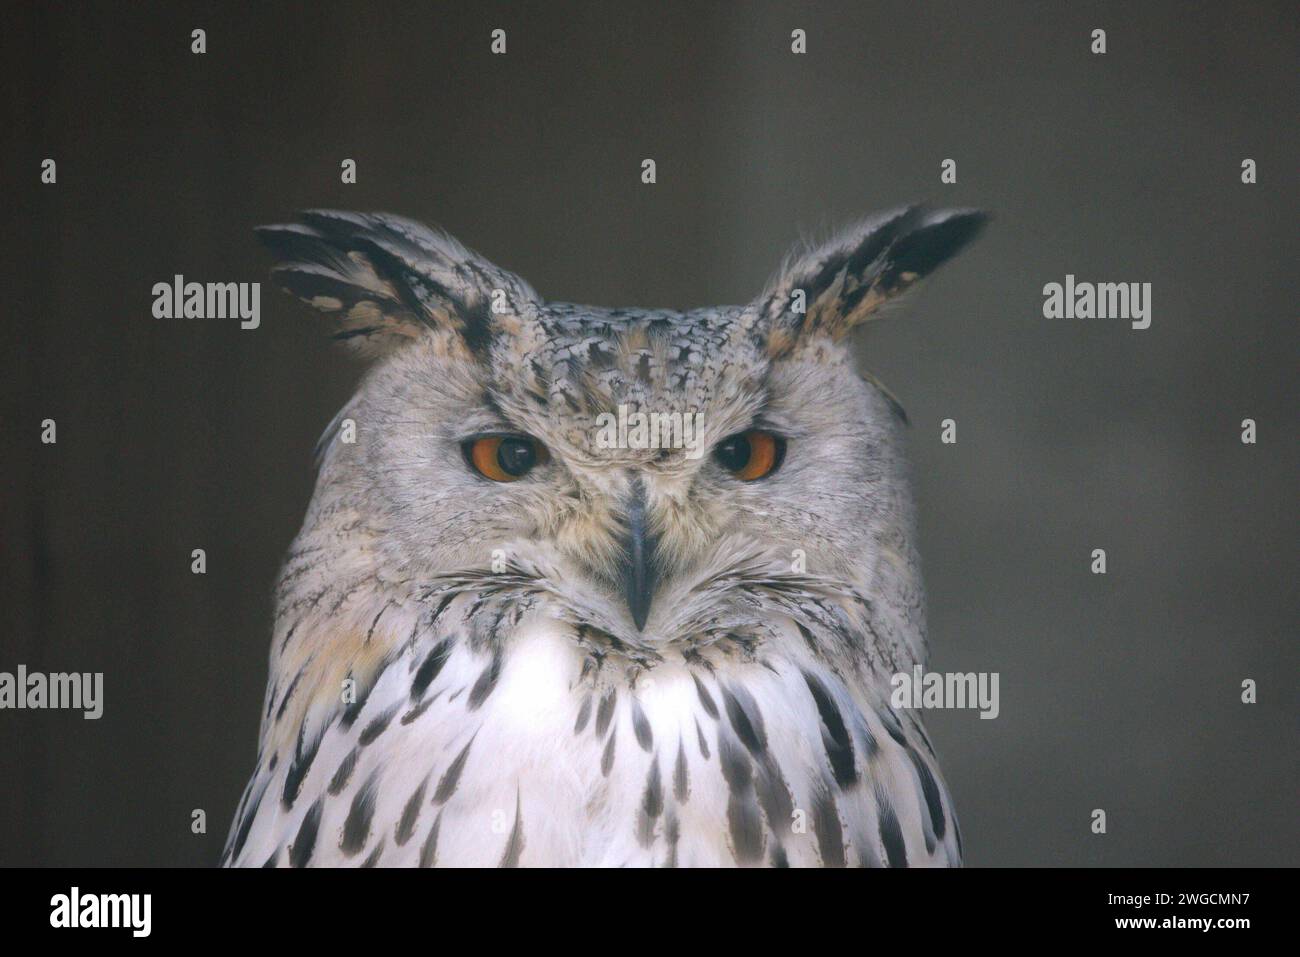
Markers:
<point>504,458</point>
<point>751,455</point>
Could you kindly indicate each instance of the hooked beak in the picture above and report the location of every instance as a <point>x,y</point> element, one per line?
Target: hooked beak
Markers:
<point>638,555</point>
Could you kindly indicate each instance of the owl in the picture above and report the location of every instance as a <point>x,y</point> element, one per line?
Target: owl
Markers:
<point>582,586</point>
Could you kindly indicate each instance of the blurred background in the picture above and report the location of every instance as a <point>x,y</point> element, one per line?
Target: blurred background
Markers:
<point>1119,692</point>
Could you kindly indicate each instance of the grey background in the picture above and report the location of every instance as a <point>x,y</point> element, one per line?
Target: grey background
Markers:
<point>1119,692</point>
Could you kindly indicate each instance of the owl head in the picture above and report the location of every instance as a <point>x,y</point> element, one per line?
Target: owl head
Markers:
<point>652,478</point>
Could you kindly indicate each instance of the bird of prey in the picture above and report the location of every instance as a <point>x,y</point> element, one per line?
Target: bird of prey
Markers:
<point>582,586</point>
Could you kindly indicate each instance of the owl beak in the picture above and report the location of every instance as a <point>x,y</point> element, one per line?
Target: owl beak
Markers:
<point>639,553</point>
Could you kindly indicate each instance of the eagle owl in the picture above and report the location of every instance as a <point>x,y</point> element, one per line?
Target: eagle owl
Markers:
<point>502,638</point>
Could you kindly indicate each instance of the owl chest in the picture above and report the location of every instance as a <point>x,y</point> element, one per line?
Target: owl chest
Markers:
<point>533,759</point>
<point>521,756</point>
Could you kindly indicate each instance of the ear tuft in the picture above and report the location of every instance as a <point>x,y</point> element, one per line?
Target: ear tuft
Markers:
<point>389,277</point>
<point>846,281</point>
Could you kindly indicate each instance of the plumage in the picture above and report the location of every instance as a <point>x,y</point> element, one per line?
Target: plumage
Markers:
<point>625,655</point>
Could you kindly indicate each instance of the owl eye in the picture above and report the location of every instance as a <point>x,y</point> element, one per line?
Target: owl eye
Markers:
<point>504,458</point>
<point>750,455</point>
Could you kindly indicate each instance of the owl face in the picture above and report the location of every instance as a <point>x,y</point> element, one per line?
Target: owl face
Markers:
<point>635,472</point>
